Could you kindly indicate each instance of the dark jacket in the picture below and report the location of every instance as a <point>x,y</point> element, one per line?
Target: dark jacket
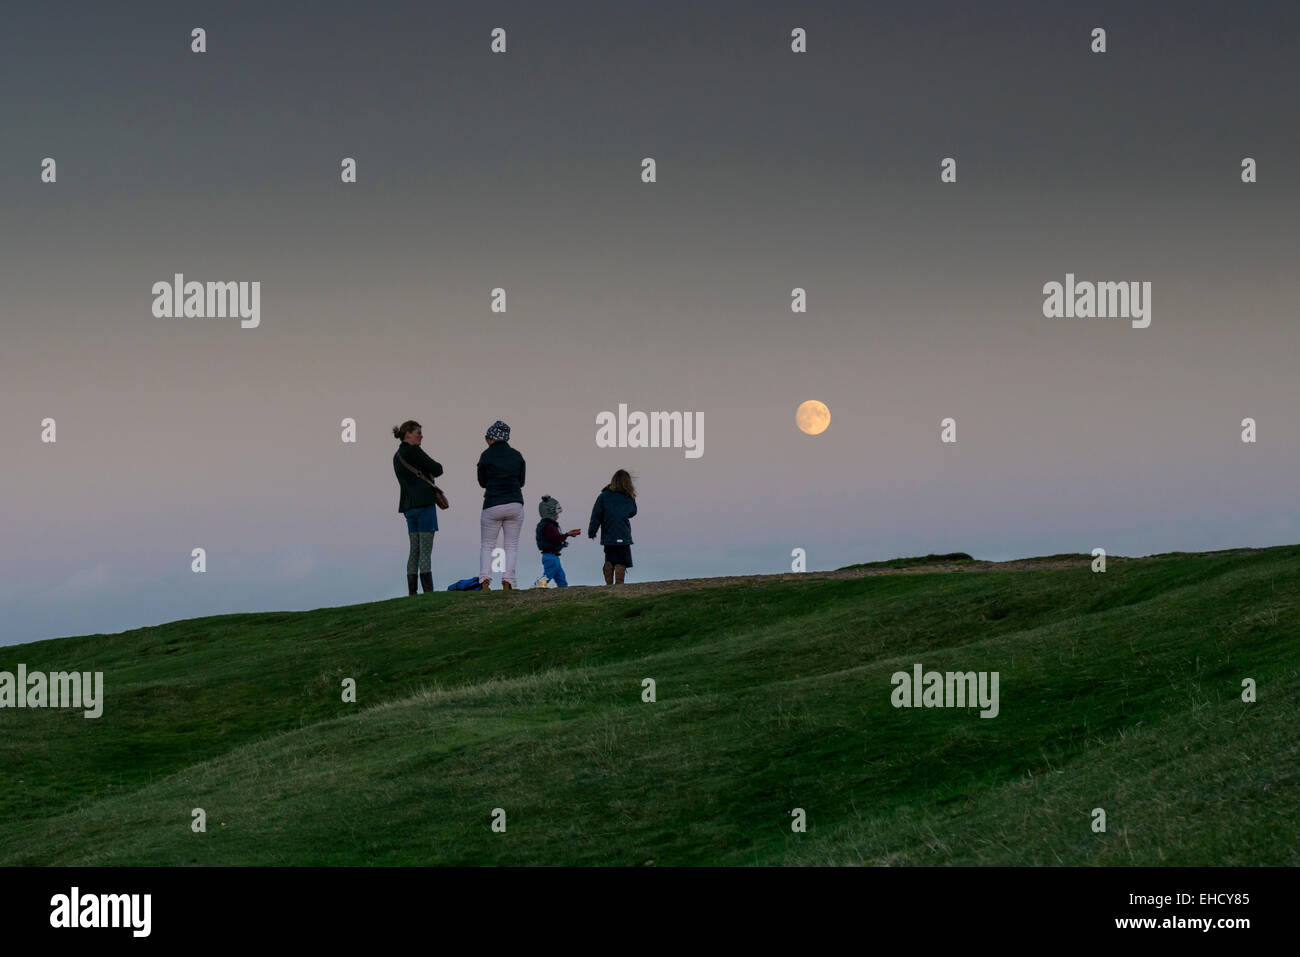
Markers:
<point>416,492</point>
<point>501,474</point>
<point>549,537</point>
<point>611,514</point>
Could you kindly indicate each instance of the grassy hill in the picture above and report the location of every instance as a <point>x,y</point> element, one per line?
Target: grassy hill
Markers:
<point>1119,690</point>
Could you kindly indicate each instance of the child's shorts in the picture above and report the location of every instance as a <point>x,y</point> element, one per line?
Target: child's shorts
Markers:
<point>619,555</point>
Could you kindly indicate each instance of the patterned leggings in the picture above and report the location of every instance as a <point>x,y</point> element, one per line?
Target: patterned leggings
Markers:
<point>420,557</point>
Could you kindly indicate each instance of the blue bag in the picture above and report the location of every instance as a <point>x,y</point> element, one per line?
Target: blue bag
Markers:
<point>466,584</point>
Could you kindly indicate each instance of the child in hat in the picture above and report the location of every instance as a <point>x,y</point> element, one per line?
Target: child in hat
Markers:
<point>550,541</point>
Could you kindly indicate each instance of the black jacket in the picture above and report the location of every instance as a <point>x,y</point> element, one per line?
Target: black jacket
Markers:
<point>611,514</point>
<point>416,492</point>
<point>501,474</point>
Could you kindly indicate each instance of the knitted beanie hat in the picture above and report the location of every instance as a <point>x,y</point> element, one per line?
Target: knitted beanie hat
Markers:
<point>498,432</point>
<point>549,507</point>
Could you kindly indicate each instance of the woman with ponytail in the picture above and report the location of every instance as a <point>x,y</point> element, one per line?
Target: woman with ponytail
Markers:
<point>418,501</point>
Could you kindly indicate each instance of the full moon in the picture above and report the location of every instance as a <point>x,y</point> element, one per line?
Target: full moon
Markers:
<point>813,417</point>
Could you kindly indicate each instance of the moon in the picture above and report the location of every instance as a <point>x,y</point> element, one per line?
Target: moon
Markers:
<point>813,417</point>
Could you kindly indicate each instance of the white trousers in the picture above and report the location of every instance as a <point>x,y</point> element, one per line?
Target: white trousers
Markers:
<point>508,518</point>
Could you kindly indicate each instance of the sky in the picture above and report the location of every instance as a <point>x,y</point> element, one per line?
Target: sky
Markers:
<point>523,171</point>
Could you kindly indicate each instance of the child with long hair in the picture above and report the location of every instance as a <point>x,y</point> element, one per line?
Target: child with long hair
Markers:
<point>612,515</point>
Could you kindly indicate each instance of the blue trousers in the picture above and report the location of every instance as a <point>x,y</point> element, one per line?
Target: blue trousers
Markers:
<point>553,570</point>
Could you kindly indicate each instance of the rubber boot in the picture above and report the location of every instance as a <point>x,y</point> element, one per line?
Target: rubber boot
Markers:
<point>410,584</point>
<point>426,579</point>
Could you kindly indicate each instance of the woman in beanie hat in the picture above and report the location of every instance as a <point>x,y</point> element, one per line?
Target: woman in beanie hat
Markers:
<point>501,475</point>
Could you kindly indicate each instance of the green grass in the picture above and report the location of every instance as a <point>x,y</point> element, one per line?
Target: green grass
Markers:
<point>953,558</point>
<point>1119,690</point>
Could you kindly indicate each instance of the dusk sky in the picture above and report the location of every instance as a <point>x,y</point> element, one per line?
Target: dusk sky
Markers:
<point>522,170</point>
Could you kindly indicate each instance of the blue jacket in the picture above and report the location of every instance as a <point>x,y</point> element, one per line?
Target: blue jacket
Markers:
<point>612,514</point>
<point>501,474</point>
